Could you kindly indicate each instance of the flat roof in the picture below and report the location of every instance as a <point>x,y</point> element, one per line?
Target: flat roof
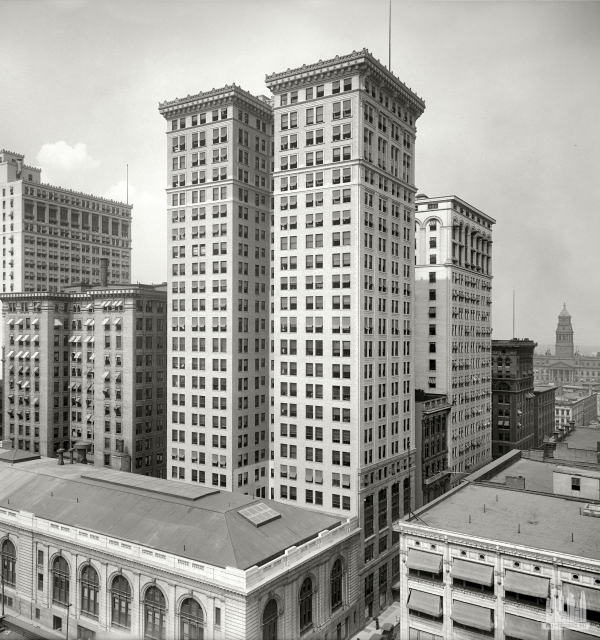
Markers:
<point>584,438</point>
<point>538,475</point>
<point>161,514</point>
<point>546,522</point>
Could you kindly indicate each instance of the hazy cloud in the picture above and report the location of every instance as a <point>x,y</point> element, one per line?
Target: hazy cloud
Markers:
<point>58,159</point>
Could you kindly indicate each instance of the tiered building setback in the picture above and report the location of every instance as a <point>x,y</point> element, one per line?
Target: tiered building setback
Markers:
<point>453,322</point>
<point>219,205</point>
<point>341,304</point>
<point>53,237</point>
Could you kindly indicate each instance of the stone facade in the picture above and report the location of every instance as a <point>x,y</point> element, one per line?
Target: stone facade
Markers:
<point>54,236</point>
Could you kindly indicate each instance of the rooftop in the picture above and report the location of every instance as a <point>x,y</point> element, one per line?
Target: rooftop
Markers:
<point>546,522</point>
<point>584,438</point>
<point>229,90</point>
<point>538,475</point>
<point>160,514</point>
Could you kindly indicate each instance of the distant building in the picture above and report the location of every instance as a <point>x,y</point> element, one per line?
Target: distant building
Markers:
<point>543,413</point>
<point>495,559</point>
<point>53,237</point>
<point>88,365</point>
<point>111,557</point>
<point>432,477</point>
<point>453,298</point>
<point>567,365</point>
<point>573,408</point>
<point>512,395</point>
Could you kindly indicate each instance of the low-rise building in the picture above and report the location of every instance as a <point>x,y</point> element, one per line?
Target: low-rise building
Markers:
<point>496,560</point>
<point>97,553</point>
<point>543,413</point>
<point>432,477</point>
<point>580,410</point>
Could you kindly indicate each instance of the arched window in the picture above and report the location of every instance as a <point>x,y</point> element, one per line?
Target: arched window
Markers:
<point>60,581</point>
<point>269,620</point>
<point>192,620</point>
<point>90,591</point>
<point>306,593</point>
<point>9,563</point>
<point>155,607</point>
<point>121,603</point>
<point>336,584</point>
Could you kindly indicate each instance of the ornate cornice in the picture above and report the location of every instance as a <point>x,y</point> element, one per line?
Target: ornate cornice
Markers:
<point>359,62</point>
<point>204,99</point>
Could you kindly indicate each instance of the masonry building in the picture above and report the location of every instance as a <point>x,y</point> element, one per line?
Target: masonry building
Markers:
<point>453,329</point>
<point>513,397</point>
<point>341,394</point>
<point>219,207</point>
<point>53,237</point>
<point>95,553</point>
<point>88,365</point>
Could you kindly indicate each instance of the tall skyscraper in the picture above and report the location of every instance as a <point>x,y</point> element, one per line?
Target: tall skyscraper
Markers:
<point>341,345</point>
<point>564,347</point>
<point>219,207</point>
<point>88,365</point>
<point>53,237</point>
<point>453,289</point>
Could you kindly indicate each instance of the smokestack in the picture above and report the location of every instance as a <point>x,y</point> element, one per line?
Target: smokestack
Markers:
<point>104,271</point>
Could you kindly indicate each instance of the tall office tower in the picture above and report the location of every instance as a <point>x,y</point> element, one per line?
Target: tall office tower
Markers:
<point>53,237</point>
<point>219,199</point>
<point>453,288</point>
<point>88,365</point>
<point>341,407</point>
<point>513,396</point>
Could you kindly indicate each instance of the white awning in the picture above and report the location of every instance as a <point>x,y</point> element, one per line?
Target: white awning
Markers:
<point>19,321</point>
<point>72,338</point>
<point>26,354</point>
<point>88,417</point>
<point>25,385</point>
<point>10,321</point>
<point>36,355</point>
<point>19,337</point>
<point>25,338</point>
<point>57,322</point>
<point>119,303</point>
<point>88,322</point>
<point>117,321</point>
<point>118,377</point>
<point>106,374</point>
<point>78,355</point>
<point>92,357</point>
<point>35,322</point>
<point>72,385</point>
<point>89,306</point>
<point>77,339</point>
<point>19,354</point>
<point>36,402</point>
<point>10,354</point>
<point>106,321</point>
<point>35,338</point>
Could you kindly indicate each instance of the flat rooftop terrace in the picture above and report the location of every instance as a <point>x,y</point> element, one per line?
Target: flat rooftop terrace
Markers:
<point>538,475</point>
<point>584,438</point>
<point>546,521</point>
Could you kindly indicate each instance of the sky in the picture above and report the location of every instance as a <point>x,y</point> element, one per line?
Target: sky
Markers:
<point>511,125</point>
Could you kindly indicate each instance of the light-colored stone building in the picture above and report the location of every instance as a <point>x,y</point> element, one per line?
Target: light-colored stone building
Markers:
<point>341,300</point>
<point>453,296</point>
<point>88,365</point>
<point>99,554</point>
<point>53,237</point>
<point>219,206</point>
<point>495,560</point>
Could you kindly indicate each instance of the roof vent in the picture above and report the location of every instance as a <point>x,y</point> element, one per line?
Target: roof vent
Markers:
<point>591,510</point>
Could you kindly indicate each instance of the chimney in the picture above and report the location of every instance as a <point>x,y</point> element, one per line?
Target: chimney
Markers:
<point>61,453</point>
<point>515,482</point>
<point>104,272</point>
